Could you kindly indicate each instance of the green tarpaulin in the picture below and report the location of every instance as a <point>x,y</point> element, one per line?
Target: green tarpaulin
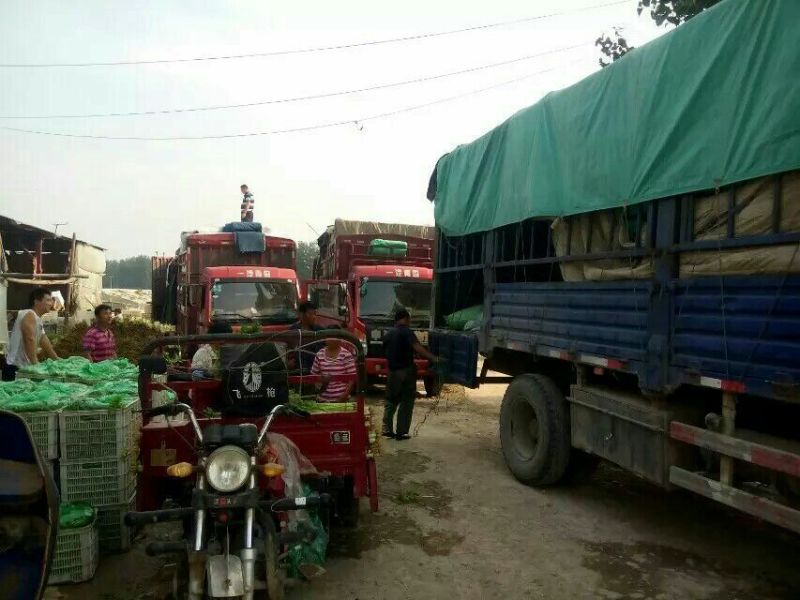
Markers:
<point>714,102</point>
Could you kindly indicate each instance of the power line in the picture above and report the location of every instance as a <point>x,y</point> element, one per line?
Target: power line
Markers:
<point>408,38</point>
<point>382,86</point>
<point>293,129</point>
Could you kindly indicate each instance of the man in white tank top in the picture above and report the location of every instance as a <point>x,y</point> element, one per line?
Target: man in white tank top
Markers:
<point>28,334</point>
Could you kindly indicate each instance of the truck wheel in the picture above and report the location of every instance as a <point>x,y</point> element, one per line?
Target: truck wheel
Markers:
<point>534,430</point>
<point>433,386</point>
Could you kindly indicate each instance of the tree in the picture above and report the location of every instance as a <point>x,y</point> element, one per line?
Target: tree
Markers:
<point>672,12</point>
<point>307,252</point>
<point>129,273</point>
<point>612,47</point>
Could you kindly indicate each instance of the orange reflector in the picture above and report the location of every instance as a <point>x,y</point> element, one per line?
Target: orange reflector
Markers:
<point>271,469</point>
<point>182,469</point>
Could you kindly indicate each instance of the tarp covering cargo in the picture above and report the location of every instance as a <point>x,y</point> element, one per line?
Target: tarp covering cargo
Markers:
<point>711,103</point>
<point>614,230</point>
<point>342,227</point>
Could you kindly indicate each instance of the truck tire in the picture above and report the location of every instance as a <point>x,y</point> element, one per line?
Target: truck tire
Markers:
<point>433,386</point>
<point>534,430</point>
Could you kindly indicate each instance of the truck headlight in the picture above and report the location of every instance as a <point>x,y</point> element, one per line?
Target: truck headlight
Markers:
<point>228,468</point>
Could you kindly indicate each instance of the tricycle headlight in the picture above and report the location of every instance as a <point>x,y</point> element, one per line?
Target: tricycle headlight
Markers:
<point>228,468</point>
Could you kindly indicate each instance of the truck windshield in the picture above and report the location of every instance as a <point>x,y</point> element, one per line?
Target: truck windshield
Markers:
<point>271,301</point>
<point>381,299</point>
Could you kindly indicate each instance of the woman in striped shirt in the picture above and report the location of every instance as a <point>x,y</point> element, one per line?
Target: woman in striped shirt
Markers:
<point>334,360</point>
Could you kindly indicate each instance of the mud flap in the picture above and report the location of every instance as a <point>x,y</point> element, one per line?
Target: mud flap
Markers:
<point>224,576</point>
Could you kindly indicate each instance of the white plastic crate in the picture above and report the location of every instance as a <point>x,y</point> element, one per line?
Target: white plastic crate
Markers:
<point>44,428</point>
<point>99,434</point>
<point>98,482</point>
<point>114,535</point>
<point>76,556</point>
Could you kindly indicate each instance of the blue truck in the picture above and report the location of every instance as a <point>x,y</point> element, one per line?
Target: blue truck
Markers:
<point>633,246</point>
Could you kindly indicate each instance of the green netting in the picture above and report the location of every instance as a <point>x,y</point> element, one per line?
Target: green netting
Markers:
<point>30,396</point>
<point>467,319</point>
<point>25,395</point>
<point>74,515</point>
<point>712,103</point>
<point>123,386</point>
<point>77,368</point>
<point>308,553</point>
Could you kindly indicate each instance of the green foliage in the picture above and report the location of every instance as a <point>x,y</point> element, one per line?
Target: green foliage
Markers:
<point>130,273</point>
<point>307,252</point>
<point>613,47</point>
<point>674,12</point>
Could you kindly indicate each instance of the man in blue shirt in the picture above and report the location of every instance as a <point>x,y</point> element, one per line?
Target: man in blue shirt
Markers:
<point>400,345</point>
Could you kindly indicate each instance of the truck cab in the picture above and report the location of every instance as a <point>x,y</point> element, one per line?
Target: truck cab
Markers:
<point>240,295</point>
<point>365,305</point>
<point>365,272</point>
<point>237,277</point>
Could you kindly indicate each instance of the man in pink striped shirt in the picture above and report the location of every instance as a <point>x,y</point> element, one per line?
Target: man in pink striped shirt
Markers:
<point>99,342</point>
<point>331,361</point>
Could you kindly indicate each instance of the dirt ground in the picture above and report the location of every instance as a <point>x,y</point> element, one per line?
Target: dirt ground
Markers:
<point>454,524</point>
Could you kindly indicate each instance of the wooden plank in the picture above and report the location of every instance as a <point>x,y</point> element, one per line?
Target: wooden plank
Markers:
<point>752,452</point>
<point>772,512</point>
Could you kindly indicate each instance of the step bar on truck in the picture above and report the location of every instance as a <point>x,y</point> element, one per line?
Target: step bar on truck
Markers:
<point>730,448</point>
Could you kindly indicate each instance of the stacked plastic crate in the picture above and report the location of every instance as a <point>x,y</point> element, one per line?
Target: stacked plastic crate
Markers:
<point>44,429</point>
<point>77,554</point>
<point>98,465</point>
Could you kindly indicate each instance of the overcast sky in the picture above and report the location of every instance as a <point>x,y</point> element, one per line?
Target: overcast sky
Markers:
<point>135,197</point>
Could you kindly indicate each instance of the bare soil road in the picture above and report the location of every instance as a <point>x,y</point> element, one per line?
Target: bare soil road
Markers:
<point>454,524</point>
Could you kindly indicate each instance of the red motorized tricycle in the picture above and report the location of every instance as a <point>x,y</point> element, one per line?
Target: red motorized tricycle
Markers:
<point>241,456</point>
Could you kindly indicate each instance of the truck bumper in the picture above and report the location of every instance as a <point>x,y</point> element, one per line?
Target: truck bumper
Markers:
<point>378,367</point>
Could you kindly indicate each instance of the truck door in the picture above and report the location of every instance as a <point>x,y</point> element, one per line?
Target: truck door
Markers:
<point>330,298</point>
<point>459,352</point>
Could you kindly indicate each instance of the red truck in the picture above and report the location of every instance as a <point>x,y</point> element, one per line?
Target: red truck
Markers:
<point>222,276</point>
<point>365,271</point>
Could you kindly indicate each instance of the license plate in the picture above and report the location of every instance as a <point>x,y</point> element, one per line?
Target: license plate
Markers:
<point>422,336</point>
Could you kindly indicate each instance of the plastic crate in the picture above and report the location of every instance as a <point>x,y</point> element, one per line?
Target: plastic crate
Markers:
<point>76,556</point>
<point>99,434</point>
<point>114,535</point>
<point>44,428</point>
<point>98,482</point>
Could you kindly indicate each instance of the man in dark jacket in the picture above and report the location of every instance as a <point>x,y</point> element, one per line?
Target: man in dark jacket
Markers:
<point>400,345</point>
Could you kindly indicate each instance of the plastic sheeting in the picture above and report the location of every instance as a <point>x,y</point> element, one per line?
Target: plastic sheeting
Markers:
<point>343,227</point>
<point>613,230</point>
<point>711,103</point>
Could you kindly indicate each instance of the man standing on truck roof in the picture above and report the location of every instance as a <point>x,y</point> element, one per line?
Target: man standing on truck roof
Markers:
<point>248,203</point>
<point>399,345</point>
<point>28,334</point>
